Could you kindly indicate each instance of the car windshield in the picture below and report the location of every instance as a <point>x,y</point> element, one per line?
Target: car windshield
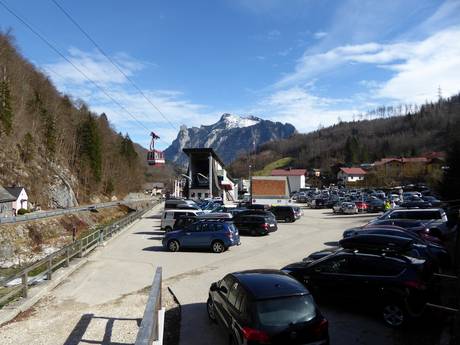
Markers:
<point>286,311</point>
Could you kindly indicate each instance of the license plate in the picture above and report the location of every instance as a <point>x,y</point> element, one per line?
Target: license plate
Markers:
<point>272,225</point>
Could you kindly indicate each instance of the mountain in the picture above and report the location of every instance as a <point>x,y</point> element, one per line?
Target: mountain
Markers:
<point>55,146</point>
<point>405,130</point>
<point>230,136</point>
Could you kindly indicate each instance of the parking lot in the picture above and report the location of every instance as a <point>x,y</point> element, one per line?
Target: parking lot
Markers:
<point>111,286</point>
<point>317,229</point>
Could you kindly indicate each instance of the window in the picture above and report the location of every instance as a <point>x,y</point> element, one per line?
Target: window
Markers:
<point>284,311</point>
<point>219,227</point>
<point>204,227</point>
<point>169,215</point>
<point>177,215</point>
<point>233,294</point>
<point>334,265</point>
<point>226,283</point>
<point>199,195</point>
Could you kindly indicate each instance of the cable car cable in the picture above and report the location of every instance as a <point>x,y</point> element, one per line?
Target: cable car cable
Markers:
<point>67,14</point>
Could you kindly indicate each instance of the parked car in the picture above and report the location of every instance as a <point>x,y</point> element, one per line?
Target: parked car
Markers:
<point>170,216</point>
<point>361,206</point>
<point>184,221</point>
<point>319,202</point>
<point>396,285</point>
<point>416,226</point>
<point>181,204</point>
<point>266,307</point>
<point>286,213</point>
<point>434,218</point>
<point>375,205</point>
<point>215,235</point>
<point>432,200</point>
<point>392,238</point>
<point>349,208</point>
<point>255,224</point>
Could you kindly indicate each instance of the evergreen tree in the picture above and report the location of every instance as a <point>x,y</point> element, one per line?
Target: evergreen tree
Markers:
<point>91,146</point>
<point>6,111</point>
<point>352,150</point>
<point>128,151</point>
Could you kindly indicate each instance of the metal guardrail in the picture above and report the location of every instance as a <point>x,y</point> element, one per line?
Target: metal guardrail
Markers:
<point>44,268</point>
<point>46,214</point>
<point>149,331</point>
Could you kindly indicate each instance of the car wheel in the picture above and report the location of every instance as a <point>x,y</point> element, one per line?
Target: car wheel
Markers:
<point>211,310</point>
<point>173,246</point>
<point>288,219</point>
<point>393,314</point>
<point>217,247</point>
<point>168,229</point>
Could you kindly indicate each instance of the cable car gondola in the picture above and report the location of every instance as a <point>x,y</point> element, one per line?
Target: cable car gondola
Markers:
<point>155,157</point>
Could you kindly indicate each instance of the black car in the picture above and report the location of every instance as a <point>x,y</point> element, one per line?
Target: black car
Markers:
<point>286,213</point>
<point>417,226</point>
<point>255,224</point>
<point>394,284</point>
<point>405,242</point>
<point>375,205</point>
<point>266,307</point>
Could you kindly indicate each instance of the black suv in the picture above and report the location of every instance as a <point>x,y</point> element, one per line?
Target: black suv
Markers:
<point>255,224</point>
<point>394,284</point>
<point>266,307</point>
<point>286,213</point>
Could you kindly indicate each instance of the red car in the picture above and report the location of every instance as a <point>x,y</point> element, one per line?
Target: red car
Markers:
<point>361,206</point>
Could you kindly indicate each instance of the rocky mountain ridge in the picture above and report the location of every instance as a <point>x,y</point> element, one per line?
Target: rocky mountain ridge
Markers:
<point>231,136</point>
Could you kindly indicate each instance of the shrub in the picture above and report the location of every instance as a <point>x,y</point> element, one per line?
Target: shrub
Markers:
<point>22,211</point>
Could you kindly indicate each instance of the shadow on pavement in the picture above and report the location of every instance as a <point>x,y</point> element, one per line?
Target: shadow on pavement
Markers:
<point>332,244</point>
<point>149,233</point>
<point>197,329</point>
<point>155,249</point>
<point>105,326</point>
<point>362,215</point>
<point>155,216</point>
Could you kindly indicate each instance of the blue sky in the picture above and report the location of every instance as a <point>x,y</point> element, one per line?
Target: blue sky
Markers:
<point>306,62</point>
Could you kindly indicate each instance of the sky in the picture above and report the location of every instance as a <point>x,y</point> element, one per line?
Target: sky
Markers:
<point>306,62</point>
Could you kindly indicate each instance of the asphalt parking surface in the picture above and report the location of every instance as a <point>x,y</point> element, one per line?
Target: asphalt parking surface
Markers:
<point>316,230</point>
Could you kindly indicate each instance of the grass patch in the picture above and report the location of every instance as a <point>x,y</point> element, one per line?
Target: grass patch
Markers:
<point>280,163</point>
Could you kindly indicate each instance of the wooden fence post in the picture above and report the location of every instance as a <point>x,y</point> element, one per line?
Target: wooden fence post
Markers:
<point>49,274</point>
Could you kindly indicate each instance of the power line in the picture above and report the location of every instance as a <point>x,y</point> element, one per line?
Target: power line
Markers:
<point>50,45</point>
<point>67,14</point>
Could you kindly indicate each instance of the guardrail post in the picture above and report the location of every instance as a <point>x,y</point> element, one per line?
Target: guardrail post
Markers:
<point>25,284</point>
<point>80,250</point>
<point>67,256</point>
<point>49,273</point>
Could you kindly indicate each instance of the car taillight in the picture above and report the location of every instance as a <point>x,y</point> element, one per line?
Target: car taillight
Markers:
<point>229,234</point>
<point>265,226</point>
<point>414,284</point>
<point>321,328</point>
<point>256,335</point>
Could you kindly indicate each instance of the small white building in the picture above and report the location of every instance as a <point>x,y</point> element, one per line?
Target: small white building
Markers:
<point>296,177</point>
<point>350,174</point>
<point>21,198</point>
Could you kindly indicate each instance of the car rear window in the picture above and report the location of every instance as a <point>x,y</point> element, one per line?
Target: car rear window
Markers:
<point>285,311</point>
<point>417,215</point>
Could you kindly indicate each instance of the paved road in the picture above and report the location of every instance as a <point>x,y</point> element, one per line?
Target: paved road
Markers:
<point>102,302</point>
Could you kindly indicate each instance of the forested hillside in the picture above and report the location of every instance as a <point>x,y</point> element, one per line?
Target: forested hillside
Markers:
<point>387,131</point>
<point>55,146</point>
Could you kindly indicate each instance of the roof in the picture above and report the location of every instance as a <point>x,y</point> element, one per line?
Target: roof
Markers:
<point>289,172</point>
<point>5,196</point>
<point>203,150</point>
<point>353,171</point>
<point>14,191</point>
<point>264,284</point>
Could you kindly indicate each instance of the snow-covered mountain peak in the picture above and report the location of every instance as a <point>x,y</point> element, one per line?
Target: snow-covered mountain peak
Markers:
<point>235,121</point>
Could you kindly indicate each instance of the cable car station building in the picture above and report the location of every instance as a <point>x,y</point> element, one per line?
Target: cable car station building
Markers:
<point>207,177</point>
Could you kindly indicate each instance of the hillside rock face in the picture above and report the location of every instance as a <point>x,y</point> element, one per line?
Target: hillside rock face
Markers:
<point>230,136</point>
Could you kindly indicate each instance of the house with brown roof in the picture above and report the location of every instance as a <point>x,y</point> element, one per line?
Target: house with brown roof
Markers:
<point>409,167</point>
<point>296,177</point>
<point>346,175</point>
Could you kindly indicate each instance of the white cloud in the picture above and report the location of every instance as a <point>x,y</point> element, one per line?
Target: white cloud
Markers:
<point>302,109</point>
<point>320,34</point>
<point>172,103</point>
<point>418,67</point>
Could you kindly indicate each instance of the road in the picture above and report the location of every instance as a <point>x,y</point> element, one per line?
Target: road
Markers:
<point>102,302</point>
